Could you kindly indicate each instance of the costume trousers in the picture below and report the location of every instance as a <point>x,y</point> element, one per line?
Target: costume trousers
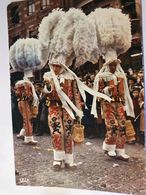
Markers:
<point>25,110</point>
<point>114,116</point>
<point>60,124</point>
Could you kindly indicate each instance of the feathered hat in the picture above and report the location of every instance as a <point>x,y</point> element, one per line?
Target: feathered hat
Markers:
<point>23,55</point>
<point>113,30</point>
<point>49,30</point>
<point>65,37</point>
<point>114,37</point>
<point>68,36</point>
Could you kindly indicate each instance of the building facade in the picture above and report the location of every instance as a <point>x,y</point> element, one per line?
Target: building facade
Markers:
<point>24,17</point>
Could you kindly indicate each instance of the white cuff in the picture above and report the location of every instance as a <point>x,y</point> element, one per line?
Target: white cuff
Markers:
<point>108,147</point>
<point>59,155</point>
<point>69,158</point>
<point>28,139</point>
<point>121,152</point>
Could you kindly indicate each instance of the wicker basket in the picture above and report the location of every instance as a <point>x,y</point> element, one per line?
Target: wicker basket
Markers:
<point>34,111</point>
<point>78,133</point>
<point>130,132</point>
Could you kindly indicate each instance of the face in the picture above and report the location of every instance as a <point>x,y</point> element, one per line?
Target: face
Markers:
<point>131,82</point>
<point>112,67</point>
<point>38,88</point>
<point>141,76</point>
<point>135,93</point>
<point>57,68</point>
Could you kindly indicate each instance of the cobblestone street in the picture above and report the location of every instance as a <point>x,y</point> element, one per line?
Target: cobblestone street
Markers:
<point>95,171</point>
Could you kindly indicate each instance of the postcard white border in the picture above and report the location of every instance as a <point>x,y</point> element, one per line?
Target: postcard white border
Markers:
<point>7,176</point>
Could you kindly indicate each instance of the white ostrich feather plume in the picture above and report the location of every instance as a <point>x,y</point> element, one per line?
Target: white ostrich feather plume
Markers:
<point>113,30</point>
<point>47,30</point>
<point>24,55</point>
<point>104,27</point>
<point>85,43</point>
<point>74,37</point>
<point>62,44</point>
<point>15,55</point>
<point>122,30</point>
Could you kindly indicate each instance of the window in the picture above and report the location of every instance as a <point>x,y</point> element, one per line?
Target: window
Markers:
<point>15,14</point>
<point>45,3</point>
<point>31,7</point>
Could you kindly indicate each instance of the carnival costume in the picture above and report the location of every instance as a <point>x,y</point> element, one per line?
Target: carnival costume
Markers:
<point>23,58</point>
<point>113,41</point>
<point>65,37</point>
<point>27,104</point>
<point>114,112</point>
<point>59,120</point>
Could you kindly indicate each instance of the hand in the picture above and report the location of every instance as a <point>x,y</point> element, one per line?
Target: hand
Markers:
<point>47,82</point>
<point>112,88</point>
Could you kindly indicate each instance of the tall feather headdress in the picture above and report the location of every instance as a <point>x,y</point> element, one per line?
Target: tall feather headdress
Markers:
<point>73,36</point>
<point>114,36</point>
<point>69,37</point>
<point>23,55</point>
<point>113,30</point>
<point>48,32</point>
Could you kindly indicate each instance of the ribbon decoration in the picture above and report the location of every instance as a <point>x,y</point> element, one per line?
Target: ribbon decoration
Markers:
<point>65,99</point>
<point>67,103</point>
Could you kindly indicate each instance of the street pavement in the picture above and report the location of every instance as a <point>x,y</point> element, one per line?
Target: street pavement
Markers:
<point>95,170</point>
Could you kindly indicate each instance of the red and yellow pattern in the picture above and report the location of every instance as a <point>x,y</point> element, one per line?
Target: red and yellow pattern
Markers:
<point>60,122</point>
<point>114,114</point>
<point>25,97</point>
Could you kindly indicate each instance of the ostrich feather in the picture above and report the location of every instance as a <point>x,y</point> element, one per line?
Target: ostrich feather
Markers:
<point>95,52</point>
<point>122,30</point>
<point>85,41</point>
<point>19,54</point>
<point>104,28</point>
<point>31,54</point>
<point>12,59</point>
<point>47,29</point>
<point>62,44</point>
<point>74,38</point>
<point>24,55</point>
<point>113,30</point>
<point>48,25</point>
